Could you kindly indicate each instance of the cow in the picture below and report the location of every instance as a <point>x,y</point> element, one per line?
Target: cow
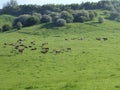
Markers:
<point>105,39</point>
<point>44,50</point>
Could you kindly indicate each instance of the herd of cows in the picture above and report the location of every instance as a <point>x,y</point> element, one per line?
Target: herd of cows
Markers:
<point>19,46</point>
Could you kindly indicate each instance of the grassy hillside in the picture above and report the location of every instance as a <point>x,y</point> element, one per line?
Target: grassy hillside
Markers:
<point>6,19</point>
<point>90,64</point>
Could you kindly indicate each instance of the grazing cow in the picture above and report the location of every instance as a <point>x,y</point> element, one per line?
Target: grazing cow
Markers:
<point>16,47</point>
<point>105,39</point>
<point>81,38</point>
<point>25,46</point>
<point>44,50</point>
<point>21,40</point>
<point>30,46</point>
<point>69,49</point>
<point>56,51</point>
<point>33,42</point>
<point>5,43</point>
<point>22,45</point>
<point>43,44</point>
<point>98,39</point>
<point>34,49</point>
<point>11,44</point>
<point>66,39</point>
<point>73,38</point>
<point>20,50</point>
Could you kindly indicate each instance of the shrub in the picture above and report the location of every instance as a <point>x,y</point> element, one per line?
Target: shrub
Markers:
<point>55,18</point>
<point>32,20</point>
<point>46,18</point>
<point>67,16</point>
<point>38,15</point>
<point>19,25</point>
<point>80,16</point>
<point>100,19</point>
<point>6,27</point>
<point>91,15</point>
<point>22,18</point>
<point>61,22</point>
<point>114,15</point>
<point>82,19</point>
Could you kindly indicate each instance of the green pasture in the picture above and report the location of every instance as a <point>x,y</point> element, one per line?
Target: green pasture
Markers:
<point>90,64</point>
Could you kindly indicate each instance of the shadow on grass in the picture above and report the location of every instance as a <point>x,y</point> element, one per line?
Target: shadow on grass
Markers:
<point>49,26</point>
<point>93,23</point>
<point>5,55</point>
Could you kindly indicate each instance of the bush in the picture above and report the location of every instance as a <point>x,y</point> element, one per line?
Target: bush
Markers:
<point>61,22</point>
<point>82,19</point>
<point>91,15</point>
<point>32,20</point>
<point>55,18</point>
<point>6,27</point>
<point>22,18</point>
<point>19,25</point>
<point>81,16</point>
<point>114,15</point>
<point>46,18</point>
<point>100,19</point>
<point>37,15</point>
<point>67,16</point>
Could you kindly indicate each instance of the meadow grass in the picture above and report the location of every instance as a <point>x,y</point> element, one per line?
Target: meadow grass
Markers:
<point>6,19</point>
<point>90,65</point>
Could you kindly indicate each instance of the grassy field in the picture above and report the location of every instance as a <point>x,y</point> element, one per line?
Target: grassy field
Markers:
<point>90,64</point>
<point>6,19</point>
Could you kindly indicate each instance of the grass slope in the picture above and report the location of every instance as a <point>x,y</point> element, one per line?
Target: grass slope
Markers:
<point>90,65</point>
<point>6,19</point>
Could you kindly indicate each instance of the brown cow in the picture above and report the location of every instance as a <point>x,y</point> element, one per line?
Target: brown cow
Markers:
<point>20,50</point>
<point>44,50</point>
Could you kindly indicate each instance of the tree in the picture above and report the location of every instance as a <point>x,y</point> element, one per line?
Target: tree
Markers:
<point>67,16</point>
<point>37,15</point>
<point>81,16</point>
<point>11,3</point>
<point>46,18</point>
<point>32,20</point>
<point>61,22</point>
<point>100,19</point>
<point>91,15</point>
<point>11,7</point>
<point>6,27</point>
<point>23,19</point>
<point>19,25</point>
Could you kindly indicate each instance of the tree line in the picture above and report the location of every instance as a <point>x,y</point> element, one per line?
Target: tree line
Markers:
<point>14,9</point>
<point>28,15</point>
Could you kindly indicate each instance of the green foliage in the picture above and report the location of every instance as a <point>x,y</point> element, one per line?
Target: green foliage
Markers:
<point>114,15</point>
<point>37,15</point>
<point>11,3</point>
<point>100,19</point>
<point>23,19</point>
<point>46,18</point>
<point>6,19</point>
<point>91,15</point>
<point>91,64</point>
<point>6,27</point>
<point>66,16</point>
<point>81,16</point>
<point>32,20</point>
<point>60,22</point>
<point>19,25</point>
